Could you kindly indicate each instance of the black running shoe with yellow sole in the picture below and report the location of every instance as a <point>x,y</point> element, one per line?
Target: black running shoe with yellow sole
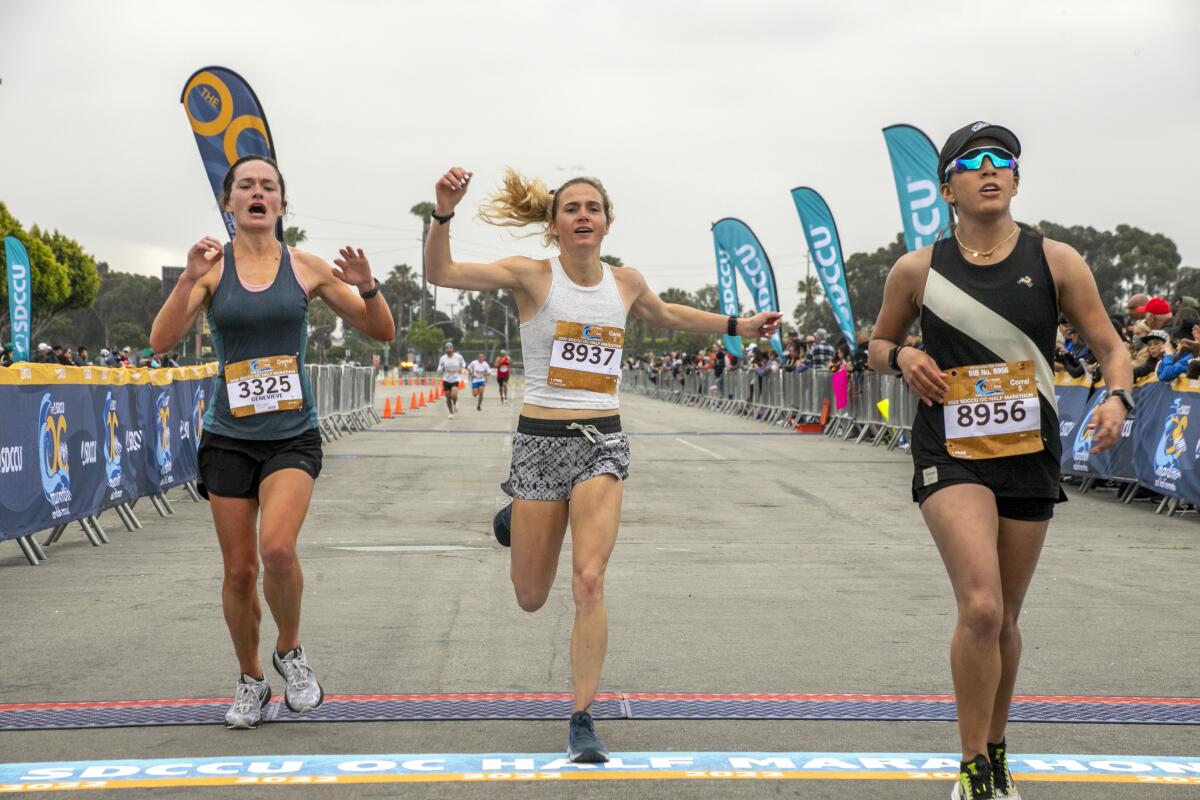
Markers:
<point>1002,779</point>
<point>974,781</point>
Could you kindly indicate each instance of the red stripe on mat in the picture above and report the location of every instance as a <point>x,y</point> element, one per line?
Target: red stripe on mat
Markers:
<point>751,697</point>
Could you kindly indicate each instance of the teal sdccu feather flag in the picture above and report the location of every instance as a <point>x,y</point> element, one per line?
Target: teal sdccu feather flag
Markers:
<point>826,248</point>
<point>20,295</point>
<point>739,242</point>
<point>914,168</point>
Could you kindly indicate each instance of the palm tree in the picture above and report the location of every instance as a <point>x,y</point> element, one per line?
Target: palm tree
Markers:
<point>425,212</point>
<point>294,235</point>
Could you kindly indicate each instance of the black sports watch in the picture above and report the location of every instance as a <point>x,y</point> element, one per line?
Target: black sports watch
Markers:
<point>731,326</point>
<point>894,358</point>
<point>1125,399</point>
<point>441,220</point>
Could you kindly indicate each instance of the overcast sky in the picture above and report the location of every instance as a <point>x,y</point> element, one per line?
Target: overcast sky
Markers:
<point>688,111</point>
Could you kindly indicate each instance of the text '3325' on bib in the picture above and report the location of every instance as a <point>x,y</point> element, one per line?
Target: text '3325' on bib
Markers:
<point>261,385</point>
<point>993,411</point>
<point>586,357</point>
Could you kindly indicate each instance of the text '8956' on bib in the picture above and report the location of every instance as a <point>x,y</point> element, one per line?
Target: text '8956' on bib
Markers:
<point>262,385</point>
<point>586,357</point>
<point>993,411</point>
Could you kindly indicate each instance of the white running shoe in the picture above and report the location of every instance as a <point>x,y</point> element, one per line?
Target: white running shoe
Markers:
<point>249,700</point>
<point>303,693</point>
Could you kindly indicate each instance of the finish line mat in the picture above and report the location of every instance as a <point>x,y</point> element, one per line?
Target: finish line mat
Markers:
<point>508,767</point>
<point>534,706</point>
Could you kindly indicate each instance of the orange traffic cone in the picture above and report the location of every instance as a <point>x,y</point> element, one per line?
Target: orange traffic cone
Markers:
<point>462,384</point>
<point>399,406</point>
<point>412,402</point>
<point>387,408</point>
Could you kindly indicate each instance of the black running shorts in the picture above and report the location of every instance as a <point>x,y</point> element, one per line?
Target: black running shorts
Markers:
<point>232,467</point>
<point>448,385</point>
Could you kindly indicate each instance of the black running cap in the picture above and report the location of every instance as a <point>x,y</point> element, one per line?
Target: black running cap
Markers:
<point>962,137</point>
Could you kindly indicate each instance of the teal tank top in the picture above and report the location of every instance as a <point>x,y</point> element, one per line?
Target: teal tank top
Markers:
<point>256,322</point>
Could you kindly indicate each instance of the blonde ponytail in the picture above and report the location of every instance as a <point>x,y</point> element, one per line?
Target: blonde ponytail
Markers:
<point>521,201</point>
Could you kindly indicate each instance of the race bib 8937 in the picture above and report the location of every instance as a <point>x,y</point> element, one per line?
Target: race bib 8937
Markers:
<point>586,357</point>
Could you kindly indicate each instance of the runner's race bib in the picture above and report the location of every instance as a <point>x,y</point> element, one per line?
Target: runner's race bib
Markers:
<point>993,411</point>
<point>262,385</point>
<point>586,357</point>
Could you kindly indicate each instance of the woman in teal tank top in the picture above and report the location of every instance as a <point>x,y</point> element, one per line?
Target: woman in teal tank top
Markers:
<point>260,451</point>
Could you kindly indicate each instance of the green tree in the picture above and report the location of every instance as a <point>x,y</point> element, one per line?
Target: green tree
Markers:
<point>130,335</point>
<point>1124,261</point>
<point>425,339</point>
<point>321,324</point>
<point>613,260</point>
<point>708,298</point>
<point>294,235</point>
<point>82,276</point>
<point>49,280</point>
<point>425,212</point>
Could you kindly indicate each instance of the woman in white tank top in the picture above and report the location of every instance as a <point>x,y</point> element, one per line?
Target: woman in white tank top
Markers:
<point>569,454</point>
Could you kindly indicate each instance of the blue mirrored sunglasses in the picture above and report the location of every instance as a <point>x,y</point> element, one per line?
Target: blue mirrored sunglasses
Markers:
<point>973,160</point>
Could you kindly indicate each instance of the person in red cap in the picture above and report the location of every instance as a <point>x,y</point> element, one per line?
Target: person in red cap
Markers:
<point>1158,313</point>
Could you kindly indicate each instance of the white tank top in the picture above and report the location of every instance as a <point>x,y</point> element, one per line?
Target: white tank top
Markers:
<point>599,305</point>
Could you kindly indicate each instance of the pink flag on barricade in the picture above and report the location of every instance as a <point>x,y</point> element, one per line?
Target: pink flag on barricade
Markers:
<point>841,389</point>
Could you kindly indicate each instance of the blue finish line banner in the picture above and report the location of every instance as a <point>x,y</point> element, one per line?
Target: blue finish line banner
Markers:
<point>914,168</point>
<point>20,295</point>
<point>825,246</point>
<point>77,440</point>
<point>491,767</point>
<point>735,241</point>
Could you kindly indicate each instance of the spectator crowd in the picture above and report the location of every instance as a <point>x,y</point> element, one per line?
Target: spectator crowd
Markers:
<point>109,357</point>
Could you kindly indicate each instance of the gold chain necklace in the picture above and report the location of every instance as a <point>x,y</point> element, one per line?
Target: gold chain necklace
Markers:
<point>986,253</point>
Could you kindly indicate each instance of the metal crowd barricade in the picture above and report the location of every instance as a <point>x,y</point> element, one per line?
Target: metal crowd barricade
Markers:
<point>788,398</point>
<point>345,398</point>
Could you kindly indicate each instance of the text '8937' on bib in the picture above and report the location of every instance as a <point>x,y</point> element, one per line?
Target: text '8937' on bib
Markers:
<point>261,385</point>
<point>993,411</point>
<point>586,357</point>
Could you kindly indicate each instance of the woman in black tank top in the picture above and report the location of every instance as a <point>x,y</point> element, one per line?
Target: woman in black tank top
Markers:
<point>258,461</point>
<point>985,439</point>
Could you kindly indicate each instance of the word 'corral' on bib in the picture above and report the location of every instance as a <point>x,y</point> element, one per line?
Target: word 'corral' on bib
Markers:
<point>586,357</point>
<point>262,385</point>
<point>993,411</point>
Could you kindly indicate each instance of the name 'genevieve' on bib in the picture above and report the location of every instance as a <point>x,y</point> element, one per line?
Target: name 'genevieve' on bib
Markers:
<point>586,357</point>
<point>993,411</point>
<point>262,385</point>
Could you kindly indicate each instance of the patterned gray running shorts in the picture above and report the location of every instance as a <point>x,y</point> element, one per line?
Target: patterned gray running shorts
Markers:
<point>551,456</point>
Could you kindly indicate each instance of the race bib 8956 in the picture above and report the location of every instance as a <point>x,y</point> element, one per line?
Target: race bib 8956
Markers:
<point>586,357</point>
<point>992,411</point>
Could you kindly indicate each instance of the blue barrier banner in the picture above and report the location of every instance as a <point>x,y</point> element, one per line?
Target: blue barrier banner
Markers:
<point>20,295</point>
<point>727,292</point>
<point>228,122</point>
<point>1167,451</point>
<point>747,253</point>
<point>914,168</point>
<point>820,231</point>
<point>1072,395</point>
<point>77,440</point>
<point>1115,463</point>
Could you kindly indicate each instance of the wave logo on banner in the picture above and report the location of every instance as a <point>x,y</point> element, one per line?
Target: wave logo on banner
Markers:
<point>229,123</point>
<point>1171,445</point>
<point>1081,451</point>
<point>914,168</point>
<point>739,243</point>
<point>20,295</point>
<point>55,460</point>
<point>727,292</point>
<point>198,413</point>
<point>111,425</point>
<point>825,246</point>
<point>162,430</point>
